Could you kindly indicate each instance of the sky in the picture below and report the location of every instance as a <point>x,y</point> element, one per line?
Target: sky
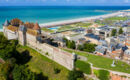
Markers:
<point>64,2</point>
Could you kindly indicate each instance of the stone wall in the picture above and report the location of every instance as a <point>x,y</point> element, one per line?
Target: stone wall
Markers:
<point>64,58</point>
<point>10,34</point>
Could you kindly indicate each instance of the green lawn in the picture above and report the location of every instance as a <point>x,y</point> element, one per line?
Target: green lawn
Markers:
<point>47,30</point>
<point>102,62</point>
<point>85,25</point>
<point>1,32</point>
<point>117,18</point>
<point>40,63</point>
<point>99,22</point>
<point>65,28</point>
<point>83,66</point>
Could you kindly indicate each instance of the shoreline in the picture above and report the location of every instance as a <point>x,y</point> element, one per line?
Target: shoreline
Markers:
<point>65,22</point>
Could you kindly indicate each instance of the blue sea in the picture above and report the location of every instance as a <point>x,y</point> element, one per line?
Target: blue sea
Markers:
<point>45,14</point>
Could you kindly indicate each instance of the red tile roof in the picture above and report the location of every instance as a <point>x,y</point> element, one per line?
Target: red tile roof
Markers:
<point>36,26</point>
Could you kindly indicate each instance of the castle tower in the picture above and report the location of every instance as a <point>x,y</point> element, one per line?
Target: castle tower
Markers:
<point>22,35</point>
<point>6,24</point>
<point>37,27</point>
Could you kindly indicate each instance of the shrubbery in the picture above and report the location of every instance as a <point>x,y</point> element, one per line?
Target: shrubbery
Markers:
<point>102,74</point>
<point>70,44</point>
<point>114,32</point>
<point>74,75</point>
<point>88,47</point>
<point>84,66</point>
<point>14,67</point>
<point>56,70</point>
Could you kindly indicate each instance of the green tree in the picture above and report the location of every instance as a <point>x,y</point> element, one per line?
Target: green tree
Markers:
<point>74,75</point>
<point>80,47</point>
<point>4,70</point>
<point>114,31</point>
<point>120,31</point>
<point>73,45</point>
<point>21,72</point>
<point>70,44</point>
<point>89,47</point>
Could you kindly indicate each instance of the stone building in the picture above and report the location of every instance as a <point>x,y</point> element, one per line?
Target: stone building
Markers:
<point>30,34</point>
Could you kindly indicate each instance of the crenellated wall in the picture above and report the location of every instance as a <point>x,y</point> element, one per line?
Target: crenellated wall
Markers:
<point>64,58</point>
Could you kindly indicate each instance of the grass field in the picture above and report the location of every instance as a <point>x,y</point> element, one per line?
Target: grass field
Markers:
<point>117,18</point>
<point>83,66</point>
<point>85,25</point>
<point>40,63</point>
<point>47,30</point>
<point>65,28</point>
<point>102,62</point>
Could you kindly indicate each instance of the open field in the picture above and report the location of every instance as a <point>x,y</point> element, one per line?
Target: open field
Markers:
<point>40,63</point>
<point>47,30</point>
<point>103,62</point>
<point>65,28</point>
<point>117,18</point>
<point>84,25</point>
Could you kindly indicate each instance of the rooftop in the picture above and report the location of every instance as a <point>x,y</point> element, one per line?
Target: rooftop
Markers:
<point>93,36</point>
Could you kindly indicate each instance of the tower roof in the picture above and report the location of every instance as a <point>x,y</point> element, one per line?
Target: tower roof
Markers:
<point>36,26</point>
<point>6,23</point>
<point>22,28</point>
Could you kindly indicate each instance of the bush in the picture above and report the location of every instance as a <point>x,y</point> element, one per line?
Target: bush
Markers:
<point>120,31</point>
<point>89,47</point>
<point>74,75</point>
<point>102,74</point>
<point>84,67</point>
<point>56,71</point>
<point>80,47</point>
<point>47,53</point>
<point>114,31</point>
<point>70,44</point>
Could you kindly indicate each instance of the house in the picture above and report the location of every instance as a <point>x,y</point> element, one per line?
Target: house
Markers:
<point>104,31</point>
<point>100,50</point>
<point>92,38</point>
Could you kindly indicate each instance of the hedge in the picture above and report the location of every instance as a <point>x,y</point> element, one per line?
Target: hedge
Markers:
<point>83,66</point>
<point>102,74</point>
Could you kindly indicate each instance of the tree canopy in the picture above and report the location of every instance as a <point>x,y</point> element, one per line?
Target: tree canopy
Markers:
<point>114,31</point>
<point>120,31</point>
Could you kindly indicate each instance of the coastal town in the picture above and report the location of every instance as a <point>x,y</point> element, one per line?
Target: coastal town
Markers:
<point>99,47</point>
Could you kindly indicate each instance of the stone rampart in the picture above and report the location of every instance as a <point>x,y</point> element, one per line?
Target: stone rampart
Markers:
<point>64,58</point>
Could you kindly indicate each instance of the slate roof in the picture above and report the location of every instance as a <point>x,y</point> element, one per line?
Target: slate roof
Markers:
<point>93,36</point>
<point>100,48</point>
<point>22,28</point>
<point>6,23</point>
<point>39,38</point>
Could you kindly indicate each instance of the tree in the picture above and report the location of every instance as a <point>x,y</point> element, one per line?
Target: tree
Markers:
<point>89,47</point>
<point>21,72</point>
<point>80,47</point>
<point>73,45</point>
<point>120,31</point>
<point>114,31</point>
<point>4,70</point>
<point>70,44</point>
<point>74,75</point>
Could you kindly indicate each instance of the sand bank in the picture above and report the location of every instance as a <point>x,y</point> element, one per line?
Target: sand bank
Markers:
<point>58,23</point>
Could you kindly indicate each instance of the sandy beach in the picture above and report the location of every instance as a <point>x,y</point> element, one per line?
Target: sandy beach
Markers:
<point>58,23</point>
